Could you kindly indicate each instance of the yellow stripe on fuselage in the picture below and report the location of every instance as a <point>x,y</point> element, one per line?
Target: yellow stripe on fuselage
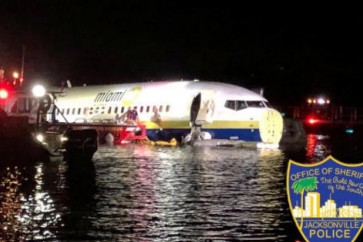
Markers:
<point>215,125</point>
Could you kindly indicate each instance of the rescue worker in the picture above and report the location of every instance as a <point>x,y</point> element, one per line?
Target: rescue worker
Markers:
<point>130,117</point>
<point>132,114</point>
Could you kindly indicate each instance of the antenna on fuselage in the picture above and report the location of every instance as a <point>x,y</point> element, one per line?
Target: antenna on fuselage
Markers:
<point>259,91</point>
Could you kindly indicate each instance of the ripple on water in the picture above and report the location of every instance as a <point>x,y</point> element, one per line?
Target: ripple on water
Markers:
<point>148,193</point>
<point>186,193</point>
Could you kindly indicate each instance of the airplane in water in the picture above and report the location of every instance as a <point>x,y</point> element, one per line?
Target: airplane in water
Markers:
<point>173,109</point>
<point>169,109</point>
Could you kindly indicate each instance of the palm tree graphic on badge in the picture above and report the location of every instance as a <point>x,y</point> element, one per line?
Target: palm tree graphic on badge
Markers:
<point>307,184</point>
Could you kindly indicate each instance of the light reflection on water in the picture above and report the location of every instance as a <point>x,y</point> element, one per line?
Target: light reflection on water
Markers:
<point>27,211</point>
<point>148,193</point>
<point>317,147</point>
<point>185,194</point>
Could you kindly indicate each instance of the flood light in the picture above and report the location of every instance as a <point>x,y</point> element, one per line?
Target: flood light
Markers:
<point>38,91</point>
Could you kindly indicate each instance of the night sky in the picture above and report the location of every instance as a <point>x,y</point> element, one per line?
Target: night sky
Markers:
<point>289,50</point>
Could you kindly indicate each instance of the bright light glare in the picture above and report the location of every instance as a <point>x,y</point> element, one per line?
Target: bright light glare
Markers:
<point>321,101</point>
<point>15,74</point>
<point>39,137</point>
<point>312,120</point>
<point>63,139</point>
<point>38,91</point>
<point>3,94</point>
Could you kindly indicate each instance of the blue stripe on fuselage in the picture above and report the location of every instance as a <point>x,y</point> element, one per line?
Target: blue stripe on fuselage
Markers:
<point>251,135</point>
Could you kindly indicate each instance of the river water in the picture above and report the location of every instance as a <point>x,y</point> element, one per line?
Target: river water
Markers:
<point>150,193</point>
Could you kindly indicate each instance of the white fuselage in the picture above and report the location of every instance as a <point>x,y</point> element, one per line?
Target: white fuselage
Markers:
<point>225,111</point>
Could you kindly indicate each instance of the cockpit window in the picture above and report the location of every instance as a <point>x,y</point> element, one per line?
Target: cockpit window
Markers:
<point>255,104</point>
<point>240,105</point>
<point>267,104</point>
<point>235,104</point>
<point>231,104</point>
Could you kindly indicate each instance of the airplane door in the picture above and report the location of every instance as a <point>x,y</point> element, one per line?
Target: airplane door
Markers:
<point>202,108</point>
<point>195,109</point>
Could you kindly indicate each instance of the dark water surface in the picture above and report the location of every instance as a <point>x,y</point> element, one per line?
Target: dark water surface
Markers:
<point>148,193</point>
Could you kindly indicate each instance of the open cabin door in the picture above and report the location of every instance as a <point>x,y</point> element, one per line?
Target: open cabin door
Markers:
<point>202,108</point>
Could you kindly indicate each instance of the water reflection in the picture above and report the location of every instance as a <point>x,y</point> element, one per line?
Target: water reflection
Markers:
<point>343,146</point>
<point>317,148</point>
<point>168,194</point>
<point>78,198</point>
<point>27,211</point>
<point>10,203</point>
<point>148,193</point>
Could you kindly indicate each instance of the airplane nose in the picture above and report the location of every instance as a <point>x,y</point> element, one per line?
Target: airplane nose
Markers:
<point>271,126</point>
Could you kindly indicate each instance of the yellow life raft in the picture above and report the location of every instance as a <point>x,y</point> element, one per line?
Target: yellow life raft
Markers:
<point>172,142</point>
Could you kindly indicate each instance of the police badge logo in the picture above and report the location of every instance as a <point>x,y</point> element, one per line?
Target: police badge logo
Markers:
<point>326,199</point>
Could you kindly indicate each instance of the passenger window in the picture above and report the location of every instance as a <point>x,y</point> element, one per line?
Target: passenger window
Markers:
<point>85,111</point>
<point>141,109</point>
<point>116,109</point>
<point>148,109</point>
<point>122,109</point>
<point>109,110</point>
<point>67,111</point>
<point>79,111</point>
<point>73,111</point>
<point>161,108</point>
<point>167,108</point>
